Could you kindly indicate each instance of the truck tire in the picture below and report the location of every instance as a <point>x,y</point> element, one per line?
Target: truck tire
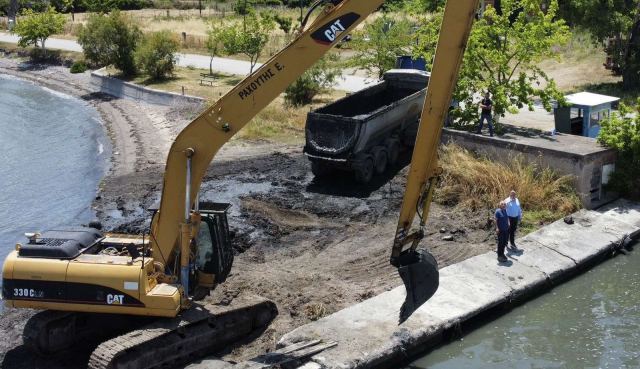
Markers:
<point>320,169</point>
<point>380,159</point>
<point>364,172</point>
<point>393,151</point>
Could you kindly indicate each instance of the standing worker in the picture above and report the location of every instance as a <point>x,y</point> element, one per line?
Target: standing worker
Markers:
<point>487,106</point>
<point>514,211</point>
<point>502,229</point>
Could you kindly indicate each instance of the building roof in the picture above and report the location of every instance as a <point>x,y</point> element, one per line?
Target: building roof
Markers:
<point>589,99</point>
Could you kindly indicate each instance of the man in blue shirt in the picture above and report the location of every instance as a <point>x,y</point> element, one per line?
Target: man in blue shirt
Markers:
<point>502,229</point>
<point>514,211</point>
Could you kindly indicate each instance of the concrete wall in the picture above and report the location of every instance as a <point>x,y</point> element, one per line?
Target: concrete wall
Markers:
<point>127,90</point>
<point>585,167</point>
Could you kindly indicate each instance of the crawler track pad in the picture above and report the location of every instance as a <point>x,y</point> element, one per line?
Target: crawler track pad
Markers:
<point>419,272</point>
<point>199,331</point>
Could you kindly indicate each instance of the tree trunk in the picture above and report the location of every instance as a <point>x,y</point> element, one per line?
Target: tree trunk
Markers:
<point>13,10</point>
<point>631,70</point>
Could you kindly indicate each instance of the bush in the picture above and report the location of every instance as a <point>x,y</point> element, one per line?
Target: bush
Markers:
<point>110,39</point>
<point>156,56</point>
<point>622,132</point>
<point>318,78</point>
<point>78,67</point>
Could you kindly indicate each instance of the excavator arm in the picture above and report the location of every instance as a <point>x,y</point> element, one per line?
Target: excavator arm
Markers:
<point>195,147</point>
<point>417,268</point>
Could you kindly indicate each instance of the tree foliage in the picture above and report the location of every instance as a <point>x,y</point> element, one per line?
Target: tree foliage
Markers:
<point>35,28</point>
<point>315,80</point>
<point>380,43</point>
<point>618,20</point>
<point>110,39</point>
<point>156,55</point>
<point>248,38</point>
<point>621,131</point>
<point>502,57</point>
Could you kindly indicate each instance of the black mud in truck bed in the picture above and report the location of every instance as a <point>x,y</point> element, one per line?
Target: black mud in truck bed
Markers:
<point>364,132</point>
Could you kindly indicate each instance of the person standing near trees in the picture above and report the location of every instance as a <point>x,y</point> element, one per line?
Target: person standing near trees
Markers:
<point>487,107</point>
<point>514,212</point>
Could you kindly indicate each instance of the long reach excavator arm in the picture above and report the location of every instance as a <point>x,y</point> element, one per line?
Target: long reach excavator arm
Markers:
<point>91,285</point>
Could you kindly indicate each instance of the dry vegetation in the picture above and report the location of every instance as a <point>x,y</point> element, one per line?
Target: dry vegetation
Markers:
<point>474,183</point>
<point>278,122</point>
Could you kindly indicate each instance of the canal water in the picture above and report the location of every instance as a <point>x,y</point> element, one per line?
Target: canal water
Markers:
<point>53,153</point>
<point>592,321</point>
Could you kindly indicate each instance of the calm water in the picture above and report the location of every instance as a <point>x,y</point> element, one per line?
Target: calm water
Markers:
<point>53,153</point>
<point>592,321</point>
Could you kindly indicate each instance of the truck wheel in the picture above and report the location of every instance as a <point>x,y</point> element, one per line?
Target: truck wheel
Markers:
<point>364,172</point>
<point>393,152</point>
<point>380,159</point>
<point>320,169</point>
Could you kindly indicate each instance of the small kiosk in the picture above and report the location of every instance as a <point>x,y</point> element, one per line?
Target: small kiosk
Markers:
<point>583,115</point>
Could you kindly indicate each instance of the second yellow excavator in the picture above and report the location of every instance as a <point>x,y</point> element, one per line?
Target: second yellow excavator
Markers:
<point>91,285</point>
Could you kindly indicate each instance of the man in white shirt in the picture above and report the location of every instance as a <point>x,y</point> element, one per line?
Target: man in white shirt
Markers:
<point>514,212</point>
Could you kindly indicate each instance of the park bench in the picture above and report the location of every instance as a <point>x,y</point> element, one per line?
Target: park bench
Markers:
<point>207,78</point>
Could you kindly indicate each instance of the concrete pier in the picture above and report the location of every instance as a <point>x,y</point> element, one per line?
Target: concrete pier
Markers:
<point>369,336</point>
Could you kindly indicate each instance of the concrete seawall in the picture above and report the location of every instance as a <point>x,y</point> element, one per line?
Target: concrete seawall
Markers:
<point>369,336</point>
<point>583,158</point>
<point>127,90</point>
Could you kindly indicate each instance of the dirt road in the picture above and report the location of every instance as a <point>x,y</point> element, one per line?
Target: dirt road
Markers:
<point>311,246</point>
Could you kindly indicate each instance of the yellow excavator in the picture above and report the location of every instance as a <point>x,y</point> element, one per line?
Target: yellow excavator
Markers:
<point>144,290</point>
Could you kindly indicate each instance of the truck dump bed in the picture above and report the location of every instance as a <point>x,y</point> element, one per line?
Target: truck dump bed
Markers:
<point>357,122</point>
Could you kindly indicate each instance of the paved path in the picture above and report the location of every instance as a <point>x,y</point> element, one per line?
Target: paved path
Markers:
<point>222,65</point>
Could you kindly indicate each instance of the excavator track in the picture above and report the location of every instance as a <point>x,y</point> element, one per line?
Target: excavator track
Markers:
<point>52,332</point>
<point>198,331</point>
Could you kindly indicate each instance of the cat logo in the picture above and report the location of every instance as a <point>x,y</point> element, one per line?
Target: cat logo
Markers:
<point>115,299</point>
<point>328,33</point>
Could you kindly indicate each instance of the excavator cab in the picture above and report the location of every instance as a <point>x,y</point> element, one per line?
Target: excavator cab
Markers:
<point>214,253</point>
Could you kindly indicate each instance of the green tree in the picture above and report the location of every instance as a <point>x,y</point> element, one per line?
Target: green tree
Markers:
<point>285,23</point>
<point>248,38</point>
<point>315,80</point>
<point>156,55</point>
<point>379,44</point>
<point>213,45</point>
<point>110,39</point>
<point>35,28</point>
<point>503,56</point>
<point>622,132</point>
<point>615,20</point>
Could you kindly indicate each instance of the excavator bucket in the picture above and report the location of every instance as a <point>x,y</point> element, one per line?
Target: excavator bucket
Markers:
<point>419,272</point>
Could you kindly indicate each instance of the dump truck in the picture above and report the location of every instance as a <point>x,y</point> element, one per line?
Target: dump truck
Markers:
<point>364,132</point>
